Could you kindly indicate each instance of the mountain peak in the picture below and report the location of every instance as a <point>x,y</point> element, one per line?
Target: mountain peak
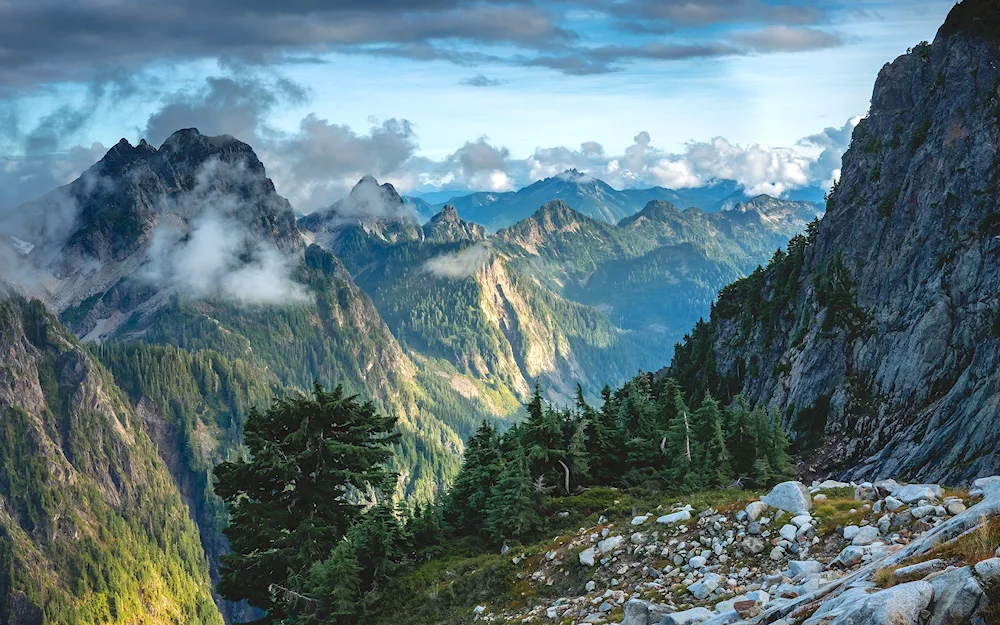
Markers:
<point>449,214</point>
<point>979,18</point>
<point>448,226</point>
<point>368,187</point>
<point>574,175</point>
<point>654,210</point>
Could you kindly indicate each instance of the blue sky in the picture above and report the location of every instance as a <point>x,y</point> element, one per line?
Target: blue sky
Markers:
<point>465,95</point>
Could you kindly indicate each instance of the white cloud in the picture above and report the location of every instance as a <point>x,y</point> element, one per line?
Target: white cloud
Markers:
<point>460,264</point>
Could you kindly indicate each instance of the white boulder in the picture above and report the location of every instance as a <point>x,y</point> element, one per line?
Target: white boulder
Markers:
<point>791,497</point>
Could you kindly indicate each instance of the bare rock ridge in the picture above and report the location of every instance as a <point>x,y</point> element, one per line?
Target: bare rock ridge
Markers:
<point>85,237</point>
<point>880,334</point>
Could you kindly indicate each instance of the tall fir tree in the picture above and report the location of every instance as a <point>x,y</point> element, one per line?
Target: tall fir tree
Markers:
<point>713,464</point>
<point>466,501</point>
<point>680,444</point>
<point>512,510</point>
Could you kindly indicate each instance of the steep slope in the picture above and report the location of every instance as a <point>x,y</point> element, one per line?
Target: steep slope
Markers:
<point>450,299</point>
<point>657,270</point>
<point>878,334</point>
<point>188,246</point>
<point>93,529</point>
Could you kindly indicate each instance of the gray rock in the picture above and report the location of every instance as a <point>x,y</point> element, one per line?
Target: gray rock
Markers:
<point>639,520</point>
<point>753,545</point>
<point>957,595</point>
<point>831,484</point>
<point>787,532</point>
<point>587,556</point>
<point>990,486</point>
<point>791,497</point>
<point>989,571</point>
<point>610,544</point>
<point>694,616</point>
<point>955,507</point>
<point>850,556</point>
<point>899,605</point>
<point>851,531</point>
<point>892,504</point>
<point>756,509</point>
<point>921,511</point>
<point>706,586</point>
<point>800,569</point>
<point>675,517</point>
<point>866,536</point>
<point>912,493</point>
<point>921,568</point>
<point>723,618</point>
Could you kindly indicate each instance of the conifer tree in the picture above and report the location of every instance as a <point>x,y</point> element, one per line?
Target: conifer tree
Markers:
<point>512,510</point>
<point>681,446</point>
<point>713,462</point>
<point>292,503</point>
<point>742,437</point>
<point>466,502</point>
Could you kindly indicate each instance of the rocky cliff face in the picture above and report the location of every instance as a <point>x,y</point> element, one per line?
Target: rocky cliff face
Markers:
<point>86,505</point>
<point>109,242</point>
<point>880,333</point>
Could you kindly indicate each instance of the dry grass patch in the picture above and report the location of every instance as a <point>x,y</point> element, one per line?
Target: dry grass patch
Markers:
<point>886,577</point>
<point>973,546</point>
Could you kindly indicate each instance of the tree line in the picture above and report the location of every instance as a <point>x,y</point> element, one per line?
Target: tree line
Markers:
<point>316,539</point>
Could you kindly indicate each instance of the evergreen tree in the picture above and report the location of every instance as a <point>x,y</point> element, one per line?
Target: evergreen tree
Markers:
<point>777,448</point>
<point>293,501</point>
<point>713,462</point>
<point>512,510</point>
<point>742,437</point>
<point>607,447</point>
<point>681,446</point>
<point>466,501</point>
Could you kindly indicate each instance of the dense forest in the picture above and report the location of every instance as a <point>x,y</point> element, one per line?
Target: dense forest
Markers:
<point>317,538</point>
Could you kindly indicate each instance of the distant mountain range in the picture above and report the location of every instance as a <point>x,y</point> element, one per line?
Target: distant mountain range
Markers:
<point>590,196</point>
<point>201,294</point>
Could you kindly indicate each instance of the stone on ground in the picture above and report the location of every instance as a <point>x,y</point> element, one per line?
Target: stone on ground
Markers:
<point>694,616</point>
<point>791,497</point>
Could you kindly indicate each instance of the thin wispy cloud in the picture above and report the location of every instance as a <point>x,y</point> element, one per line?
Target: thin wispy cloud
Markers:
<point>480,80</point>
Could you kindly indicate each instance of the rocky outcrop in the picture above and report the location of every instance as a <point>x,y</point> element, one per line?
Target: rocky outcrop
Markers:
<point>878,337</point>
<point>750,563</point>
<point>102,244</point>
<point>448,227</point>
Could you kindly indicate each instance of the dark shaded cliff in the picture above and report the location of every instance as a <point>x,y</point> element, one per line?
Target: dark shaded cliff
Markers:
<point>877,338</point>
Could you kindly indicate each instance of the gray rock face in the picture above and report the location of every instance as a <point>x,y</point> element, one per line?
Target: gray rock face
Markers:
<point>957,595</point>
<point>902,379</point>
<point>899,605</point>
<point>791,497</point>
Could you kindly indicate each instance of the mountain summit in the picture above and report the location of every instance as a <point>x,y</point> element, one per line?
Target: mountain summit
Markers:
<point>127,214</point>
